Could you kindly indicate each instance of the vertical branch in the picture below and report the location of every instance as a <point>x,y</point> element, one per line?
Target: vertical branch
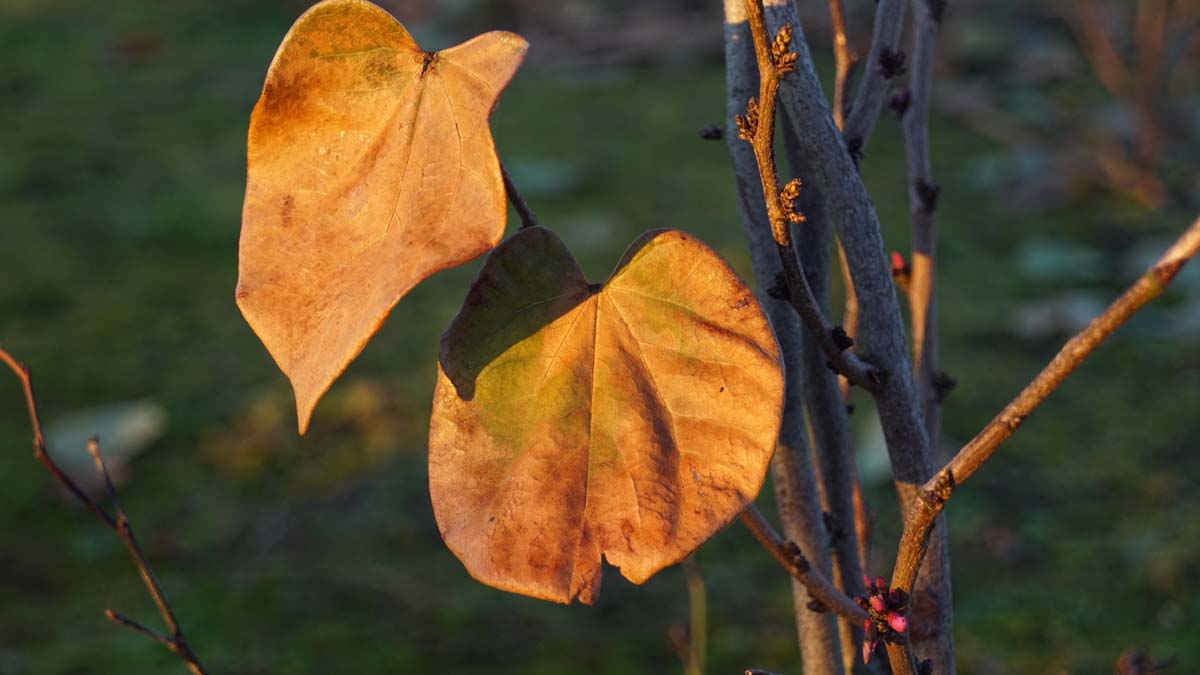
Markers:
<point>922,199</point>
<point>843,60</point>
<point>881,335</point>
<point>937,642</point>
<point>697,656</point>
<point>828,420</point>
<point>118,522</point>
<point>884,62</point>
<point>792,471</point>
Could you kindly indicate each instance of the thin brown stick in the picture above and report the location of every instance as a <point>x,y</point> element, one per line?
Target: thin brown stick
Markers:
<point>843,60</point>
<point>528,219</point>
<point>173,639</point>
<point>788,555</point>
<point>934,494</point>
<point>796,487</point>
<point>758,128</point>
<point>1087,21</point>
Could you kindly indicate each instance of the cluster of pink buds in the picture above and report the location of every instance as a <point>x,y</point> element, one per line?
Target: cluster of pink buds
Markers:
<point>886,609</point>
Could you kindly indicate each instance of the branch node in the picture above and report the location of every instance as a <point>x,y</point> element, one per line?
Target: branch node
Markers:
<point>779,289</point>
<point>943,384</point>
<point>712,132</point>
<point>841,339</point>
<point>854,146</point>
<point>937,10</point>
<point>891,63</point>
<point>927,192</point>
<point>797,557</point>
<point>816,606</point>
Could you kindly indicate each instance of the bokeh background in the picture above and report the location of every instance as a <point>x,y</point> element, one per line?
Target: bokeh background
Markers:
<point>122,131</point>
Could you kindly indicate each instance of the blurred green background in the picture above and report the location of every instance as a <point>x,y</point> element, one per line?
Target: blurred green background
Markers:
<point>122,131</point>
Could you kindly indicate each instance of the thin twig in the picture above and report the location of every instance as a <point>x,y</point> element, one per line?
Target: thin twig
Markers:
<point>935,643</point>
<point>828,420</point>
<point>793,470</point>
<point>844,59</point>
<point>173,639</point>
<point>758,128</point>
<point>934,493</point>
<point>528,219</point>
<point>884,61</point>
<point>788,555</point>
<point>922,198</point>
<point>697,591</point>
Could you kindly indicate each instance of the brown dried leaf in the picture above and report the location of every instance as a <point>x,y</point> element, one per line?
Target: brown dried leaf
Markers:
<point>370,167</point>
<point>632,419</point>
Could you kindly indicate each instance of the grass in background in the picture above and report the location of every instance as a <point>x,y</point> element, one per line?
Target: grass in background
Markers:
<point>122,134</point>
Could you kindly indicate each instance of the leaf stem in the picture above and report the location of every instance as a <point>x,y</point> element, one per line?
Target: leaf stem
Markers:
<point>528,219</point>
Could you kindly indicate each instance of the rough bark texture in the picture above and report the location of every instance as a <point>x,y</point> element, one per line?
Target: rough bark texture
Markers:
<point>881,335</point>
<point>792,472</point>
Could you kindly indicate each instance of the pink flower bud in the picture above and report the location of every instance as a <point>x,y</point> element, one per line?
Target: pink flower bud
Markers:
<point>897,622</point>
<point>881,585</point>
<point>877,603</point>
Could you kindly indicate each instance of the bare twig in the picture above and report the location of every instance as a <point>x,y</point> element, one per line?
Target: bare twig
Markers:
<point>788,555</point>
<point>884,61</point>
<point>757,127</point>
<point>697,653</point>
<point>528,219</point>
<point>828,421</point>
<point>792,467</point>
<point>881,335</point>
<point>922,198</point>
<point>844,59</point>
<point>935,492</point>
<point>1087,20</point>
<point>935,644</point>
<point>173,639</point>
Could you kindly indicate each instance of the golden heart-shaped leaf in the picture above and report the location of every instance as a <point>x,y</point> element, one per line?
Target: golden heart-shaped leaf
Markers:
<point>370,166</point>
<point>632,419</point>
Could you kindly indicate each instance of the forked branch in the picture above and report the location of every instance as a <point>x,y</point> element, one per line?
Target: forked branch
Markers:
<point>117,521</point>
<point>757,127</point>
<point>934,494</point>
<point>788,555</point>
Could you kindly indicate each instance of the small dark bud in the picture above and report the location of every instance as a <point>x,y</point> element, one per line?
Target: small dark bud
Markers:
<point>928,194</point>
<point>712,132</point>
<point>779,289</point>
<point>899,102</point>
<point>943,384</point>
<point>937,9</point>
<point>891,63</point>
<point>855,147</point>
<point>841,340</point>
<point>816,606</point>
<point>861,602</point>
<point>895,599</point>
<point>850,408</point>
<point>925,667</point>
